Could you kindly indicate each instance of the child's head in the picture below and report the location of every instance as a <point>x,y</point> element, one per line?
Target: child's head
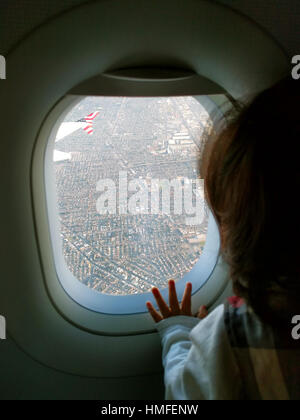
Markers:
<point>252,179</point>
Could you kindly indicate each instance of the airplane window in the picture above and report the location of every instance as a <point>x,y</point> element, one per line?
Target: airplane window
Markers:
<point>130,204</point>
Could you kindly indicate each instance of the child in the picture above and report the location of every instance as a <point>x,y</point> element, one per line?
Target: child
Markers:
<point>244,349</point>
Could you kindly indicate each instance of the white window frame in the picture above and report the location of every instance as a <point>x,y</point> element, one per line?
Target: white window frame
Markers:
<point>75,301</point>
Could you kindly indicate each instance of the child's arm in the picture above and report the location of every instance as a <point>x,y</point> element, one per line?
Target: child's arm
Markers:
<point>199,363</point>
<point>176,343</point>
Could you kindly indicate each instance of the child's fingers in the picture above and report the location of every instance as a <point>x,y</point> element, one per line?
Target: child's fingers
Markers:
<point>173,301</point>
<point>155,315</point>
<point>163,307</point>
<point>186,304</point>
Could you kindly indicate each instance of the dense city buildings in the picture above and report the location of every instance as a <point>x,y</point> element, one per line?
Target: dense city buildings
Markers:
<point>149,138</point>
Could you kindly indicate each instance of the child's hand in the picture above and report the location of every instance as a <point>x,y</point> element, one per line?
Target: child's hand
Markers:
<point>175,308</point>
<point>202,312</point>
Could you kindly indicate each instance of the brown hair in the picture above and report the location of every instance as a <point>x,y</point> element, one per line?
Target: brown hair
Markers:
<point>252,183</point>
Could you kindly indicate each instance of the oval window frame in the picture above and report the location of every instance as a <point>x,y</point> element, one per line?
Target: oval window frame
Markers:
<point>76,302</point>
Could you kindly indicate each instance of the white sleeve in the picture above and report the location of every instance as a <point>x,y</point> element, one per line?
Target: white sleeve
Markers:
<point>198,360</point>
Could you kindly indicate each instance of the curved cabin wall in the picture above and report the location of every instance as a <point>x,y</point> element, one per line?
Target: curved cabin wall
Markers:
<point>210,40</point>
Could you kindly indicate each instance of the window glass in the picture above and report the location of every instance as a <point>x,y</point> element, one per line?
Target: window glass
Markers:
<point>130,203</point>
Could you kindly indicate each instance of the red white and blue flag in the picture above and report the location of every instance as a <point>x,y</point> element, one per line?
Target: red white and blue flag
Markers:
<point>89,120</point>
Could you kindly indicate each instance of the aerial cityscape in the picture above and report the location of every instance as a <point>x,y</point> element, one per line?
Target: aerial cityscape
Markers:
<point>161,138</point>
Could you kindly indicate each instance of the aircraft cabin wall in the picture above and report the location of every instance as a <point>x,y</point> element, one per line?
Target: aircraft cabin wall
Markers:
<point>58,346</point>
